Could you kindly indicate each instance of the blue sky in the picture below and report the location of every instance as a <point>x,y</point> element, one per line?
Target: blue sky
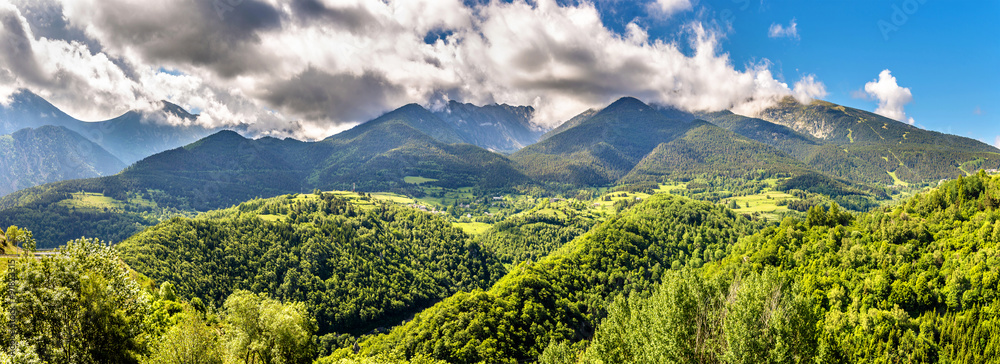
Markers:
<point>946,52</point>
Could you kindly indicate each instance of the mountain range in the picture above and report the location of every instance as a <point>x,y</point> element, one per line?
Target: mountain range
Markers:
<point>130,137</point>
<point>627,142</point>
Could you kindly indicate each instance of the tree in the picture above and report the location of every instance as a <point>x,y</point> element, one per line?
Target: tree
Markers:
<point>190,341</point>
<point>263,330</point>
<point>16,237</point>
<point>80,306</point>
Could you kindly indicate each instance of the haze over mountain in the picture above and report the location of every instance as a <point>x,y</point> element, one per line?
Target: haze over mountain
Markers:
<point>500,128</point>
<point>30,157</point>
<point>129,137</point>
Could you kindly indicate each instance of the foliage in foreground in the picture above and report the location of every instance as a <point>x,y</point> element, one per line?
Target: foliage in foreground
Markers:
<point>80,306</point>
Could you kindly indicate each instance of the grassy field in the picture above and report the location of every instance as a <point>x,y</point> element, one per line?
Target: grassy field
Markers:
<point>88,201</point>
<point>417,180</point>
<point>392,197</point>
<point>765,203</point>
<point>439,197</point>
<point>473,228</point>
<point>271,218</point>
<point>896,181</point>
<point>91,201</point>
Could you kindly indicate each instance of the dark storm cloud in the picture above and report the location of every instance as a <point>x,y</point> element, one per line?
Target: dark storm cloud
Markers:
<point>45,17</point>
<point>46,20</point>
<point>353,18</point>
<point>195,32</point>
<point>15,47</point>
<point>318,95</point>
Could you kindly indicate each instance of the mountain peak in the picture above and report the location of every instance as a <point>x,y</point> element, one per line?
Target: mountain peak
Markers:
<point>409,108</point>
<point>627,102</point>
<point>176,110</point>
<point>226,134</point>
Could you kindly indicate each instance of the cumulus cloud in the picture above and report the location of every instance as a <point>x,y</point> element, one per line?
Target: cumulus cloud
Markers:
<point>309,67</point>
<point>996,142</point>
<point>890,97</point>
<point>784,31</point>
<point>666,8</point>
<point>808,89</point>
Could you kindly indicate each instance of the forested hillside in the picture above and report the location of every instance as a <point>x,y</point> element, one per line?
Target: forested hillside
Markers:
<point>355,266</point>
<point>871,148</point>
<point>31,157</point>
<point>706,149</point>
<point>909,283</point>
<point>565,295</point>
<point>801,146</point>
<point>532,236</point>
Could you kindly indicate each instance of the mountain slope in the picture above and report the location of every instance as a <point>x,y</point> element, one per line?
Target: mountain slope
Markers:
<point>601,149</point>
<point>130,137</point>
<point>31,157</point>
<point>834,123</point>
<point>412,115</point>
<point>708,149</point>
<point>576,120</point>
<point>500,128</point>
<point>876,149</point>
<point>225,168</point>
<point>782,137</point>
<point>383,151</point>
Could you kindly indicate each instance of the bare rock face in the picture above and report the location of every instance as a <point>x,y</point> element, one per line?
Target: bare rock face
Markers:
<point>807,119</point>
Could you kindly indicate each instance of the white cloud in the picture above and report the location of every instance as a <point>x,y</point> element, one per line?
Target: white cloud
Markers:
<point>666,8</point>
<point>891,98</point>
<point>808,89</point>
<point>996,142</point>
<point>307,68</point>
<point>784,31</point>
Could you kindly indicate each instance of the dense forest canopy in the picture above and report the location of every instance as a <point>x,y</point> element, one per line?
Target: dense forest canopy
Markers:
<point>355,267</point>
<point>667,279</point>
